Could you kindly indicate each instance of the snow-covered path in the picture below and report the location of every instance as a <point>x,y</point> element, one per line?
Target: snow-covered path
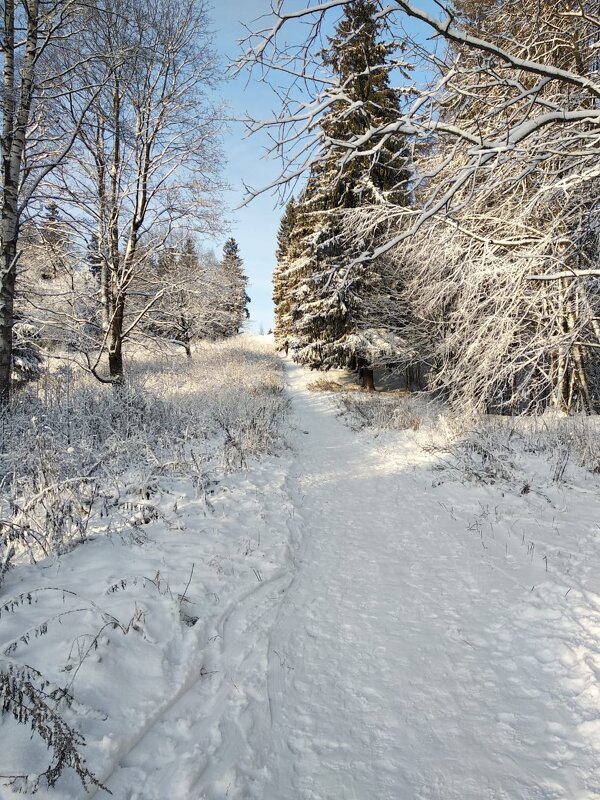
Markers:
<point>397,668</point>
<point>414,648</point>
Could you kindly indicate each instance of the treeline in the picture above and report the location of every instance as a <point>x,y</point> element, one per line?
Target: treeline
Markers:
<point>111,170</point>
<point>448,228</point>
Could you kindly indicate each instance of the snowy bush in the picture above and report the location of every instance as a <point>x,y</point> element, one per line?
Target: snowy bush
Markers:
<point>27,360</point>
<point>524,451</point>
<point>472,449</point>
<point>32,700</point>
<point>77,448</point>
<point>484,449</point>
<point>386,411</point>
<point>79,459</point>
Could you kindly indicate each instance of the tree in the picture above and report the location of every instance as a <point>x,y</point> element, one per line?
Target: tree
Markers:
<point>510,117</point>
<point>504,343</point>
<point>147,160</point>
<point>31,143</point>
<point>185,284</point>
<point>93,260</point>
<point>525,77</point>
<point>283,278</point>
<point>328,299</point>
<point>52,240</point>
<point>232,300</point>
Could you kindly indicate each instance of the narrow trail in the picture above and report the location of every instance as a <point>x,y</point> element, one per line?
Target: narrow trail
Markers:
<point>397,668</point>
<point>403,655</point>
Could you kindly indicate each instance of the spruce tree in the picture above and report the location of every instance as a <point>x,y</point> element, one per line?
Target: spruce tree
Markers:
<point>281,296</point>
<point>232,303</point>
<point>93,257</point>
<point>291,273</point>
<point>54,241</point>
<point>328,293</point>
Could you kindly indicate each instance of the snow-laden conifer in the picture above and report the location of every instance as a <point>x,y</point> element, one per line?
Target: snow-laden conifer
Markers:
<point>321,307</point>
<point>232,300</point>
<point>502,267</point>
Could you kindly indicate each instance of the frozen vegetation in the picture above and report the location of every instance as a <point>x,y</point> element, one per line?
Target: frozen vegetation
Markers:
<point>225,589</point>
<point>222,576</point>
<point>113,504</point>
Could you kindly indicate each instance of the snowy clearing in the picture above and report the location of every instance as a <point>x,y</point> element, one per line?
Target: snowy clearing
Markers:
<point>361,622</point>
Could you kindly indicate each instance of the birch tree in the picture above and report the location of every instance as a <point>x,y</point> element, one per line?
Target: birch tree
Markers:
<point>31,144</point>
<point>147,160</point>
<point>198,299</point>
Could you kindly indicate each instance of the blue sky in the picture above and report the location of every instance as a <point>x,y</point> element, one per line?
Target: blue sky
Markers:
<point>254,226</point>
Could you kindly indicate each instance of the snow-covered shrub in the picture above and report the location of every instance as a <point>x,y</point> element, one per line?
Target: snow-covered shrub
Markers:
<point>70,453</point>
<point>35,698</point>
<point>522,451</point>
<point>79,459</point>
<point>34,701</point>
<point>386,411</point>
<point>477,451</point>
<point>482,448</point>
<point>27,360</point>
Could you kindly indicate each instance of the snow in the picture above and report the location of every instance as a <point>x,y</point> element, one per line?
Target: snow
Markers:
<point>359,623</point>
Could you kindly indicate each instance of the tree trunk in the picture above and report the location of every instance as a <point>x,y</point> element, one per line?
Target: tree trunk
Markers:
<point>115,365</point>
<point>8,222</point>
<point>16,105</point>
<point>115,345</point>
<point>7,293</point>
<point>367,377</point>
<point>413,377</point>
<point>561,387</point>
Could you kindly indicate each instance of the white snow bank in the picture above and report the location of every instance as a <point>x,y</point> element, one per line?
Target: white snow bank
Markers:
<point>169,540</point>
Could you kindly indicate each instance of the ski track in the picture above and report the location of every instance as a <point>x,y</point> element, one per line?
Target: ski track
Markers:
<point>413,649</point>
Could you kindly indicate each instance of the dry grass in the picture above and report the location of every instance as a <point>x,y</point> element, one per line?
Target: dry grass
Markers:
<point>329,385</point>
<point>396,410</point>
<point>74,453</point>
